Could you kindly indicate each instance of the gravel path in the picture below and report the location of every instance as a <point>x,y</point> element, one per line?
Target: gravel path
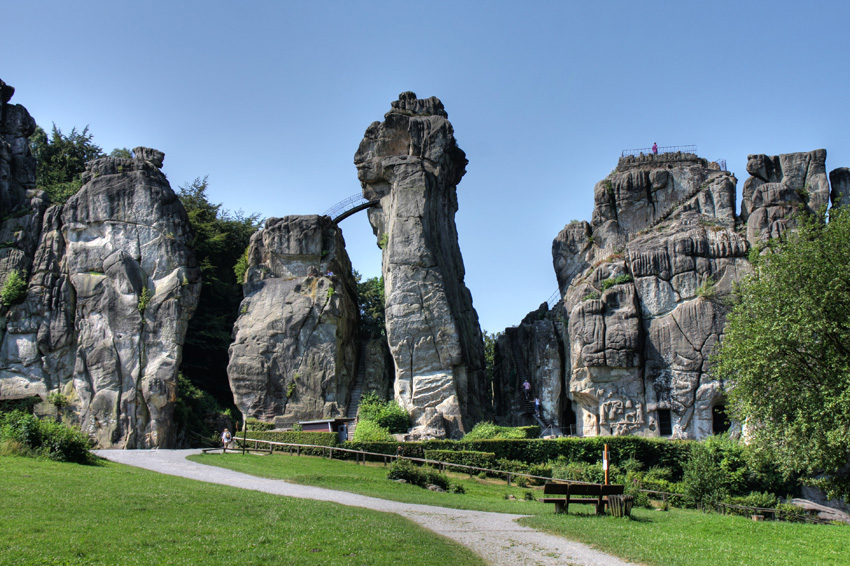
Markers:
<point>494,536</point>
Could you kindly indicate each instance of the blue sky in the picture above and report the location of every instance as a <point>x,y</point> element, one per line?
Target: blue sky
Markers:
<point>271,99</point>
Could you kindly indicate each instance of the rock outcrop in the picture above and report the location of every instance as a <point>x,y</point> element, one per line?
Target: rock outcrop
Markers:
<point>642,287</point>
<point>645,287</point>
<point>411,163</point>
<point>533,350</point>
<point>779,188</point>
<point>112,284</point>
<point>295,342</point>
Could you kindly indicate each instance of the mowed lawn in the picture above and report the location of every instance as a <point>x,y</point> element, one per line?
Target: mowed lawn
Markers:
<point>670,538</point>
<point>58,514</point>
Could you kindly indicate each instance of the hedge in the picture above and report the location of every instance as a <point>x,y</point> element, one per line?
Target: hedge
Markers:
<point>463,457</point>
<point>650,451</point>
<point>293,437</point>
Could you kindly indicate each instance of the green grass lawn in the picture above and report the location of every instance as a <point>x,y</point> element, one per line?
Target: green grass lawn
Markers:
<point>675,537</point>
<point>60,514</point>
<point>481,495</point>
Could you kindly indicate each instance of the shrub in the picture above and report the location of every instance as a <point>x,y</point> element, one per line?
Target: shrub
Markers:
<point>619,280</point>
<point>488,431</point>
<point>14,288</point>
<point>255,424</point>
<point>370,431</point>
<point>406,470</point>
<point>25,434</point>
<point>387,414</point>
<point>755,499</point>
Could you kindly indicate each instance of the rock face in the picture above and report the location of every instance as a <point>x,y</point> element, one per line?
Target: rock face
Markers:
<point>644,287</point>
<point>779,187</point>
<point>113,283</point>
<point>532,350</point>
<point>295,348</point>
<point>411,163</point>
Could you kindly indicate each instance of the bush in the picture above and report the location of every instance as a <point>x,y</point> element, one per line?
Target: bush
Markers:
<point>387,414</point>
<point>721,467</point>
<point>255,424</point>
<point>25,434</point>
<point>14,288</point>
<point>406,470</point>
<point>755,499</point>
<point>370,431</point>
<point>489,431</point>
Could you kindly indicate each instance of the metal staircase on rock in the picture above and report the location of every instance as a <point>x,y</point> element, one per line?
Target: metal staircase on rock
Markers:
<point>357,391</point>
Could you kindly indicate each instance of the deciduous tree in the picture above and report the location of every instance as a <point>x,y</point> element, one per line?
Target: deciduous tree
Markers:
<point>786,352</point>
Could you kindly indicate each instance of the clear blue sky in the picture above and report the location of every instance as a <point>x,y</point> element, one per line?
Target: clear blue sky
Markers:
<point>271,99</point>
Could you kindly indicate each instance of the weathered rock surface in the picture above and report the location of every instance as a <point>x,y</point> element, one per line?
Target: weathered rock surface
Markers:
<point>780,186</point>
<point>533,350</point>
<point>112,285</point>
<point>642,287</point>
<point>295,342</point>
<point>412,164</point>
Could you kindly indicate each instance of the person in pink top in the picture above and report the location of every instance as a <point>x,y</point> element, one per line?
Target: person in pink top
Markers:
<point>654,148</point>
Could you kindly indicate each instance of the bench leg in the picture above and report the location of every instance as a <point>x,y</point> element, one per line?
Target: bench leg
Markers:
<point>559,507</point>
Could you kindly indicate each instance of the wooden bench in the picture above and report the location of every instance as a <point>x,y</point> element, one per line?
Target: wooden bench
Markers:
<point>595,494</point>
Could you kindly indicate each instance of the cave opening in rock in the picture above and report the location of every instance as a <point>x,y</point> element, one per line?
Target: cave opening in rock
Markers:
<point>719,419</point>
<point>665,426</point>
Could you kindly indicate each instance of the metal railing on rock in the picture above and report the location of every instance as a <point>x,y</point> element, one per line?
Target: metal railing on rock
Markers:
<point>667,149</point>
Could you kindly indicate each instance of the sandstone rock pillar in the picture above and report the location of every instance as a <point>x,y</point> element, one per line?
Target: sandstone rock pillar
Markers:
<point>294,353</point>
<point>412,164</point>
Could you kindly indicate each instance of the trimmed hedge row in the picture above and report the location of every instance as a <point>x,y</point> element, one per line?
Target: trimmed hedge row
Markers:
<point>294,437</point>
<point>463,457</point>
<point>650,451</point>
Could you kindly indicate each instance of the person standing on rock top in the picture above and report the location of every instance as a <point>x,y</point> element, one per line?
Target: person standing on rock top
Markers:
<point>654,148</point>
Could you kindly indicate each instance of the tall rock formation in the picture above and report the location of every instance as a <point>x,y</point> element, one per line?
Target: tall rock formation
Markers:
<point>411,163</point>
<point>295,342</point>
<point>645,287</point>
<point>112,285</point>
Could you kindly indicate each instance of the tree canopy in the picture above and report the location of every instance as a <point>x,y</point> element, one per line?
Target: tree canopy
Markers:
<point>786,352</point>
<point>370,297</point>
<point>221,238</point>
<point>60,158</point>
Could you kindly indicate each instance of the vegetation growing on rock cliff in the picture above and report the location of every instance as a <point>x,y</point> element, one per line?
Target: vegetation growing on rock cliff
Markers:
<point>14,288</point>
<point>221,238</point>
<point>785,352</point>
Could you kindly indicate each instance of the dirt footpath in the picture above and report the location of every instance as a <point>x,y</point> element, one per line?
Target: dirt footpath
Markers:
<point>494,536</point>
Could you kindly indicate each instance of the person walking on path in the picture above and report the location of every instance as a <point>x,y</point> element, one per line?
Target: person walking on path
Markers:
<point>526,389</point>
<point>654,148</point>
<point>225,439</point>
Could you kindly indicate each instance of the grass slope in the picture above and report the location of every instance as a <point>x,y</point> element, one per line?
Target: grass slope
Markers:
<point>677,537</point>
<point>58,514</point>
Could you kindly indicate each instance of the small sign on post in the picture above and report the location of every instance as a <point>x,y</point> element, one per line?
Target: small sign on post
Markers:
<point>605,463</point>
